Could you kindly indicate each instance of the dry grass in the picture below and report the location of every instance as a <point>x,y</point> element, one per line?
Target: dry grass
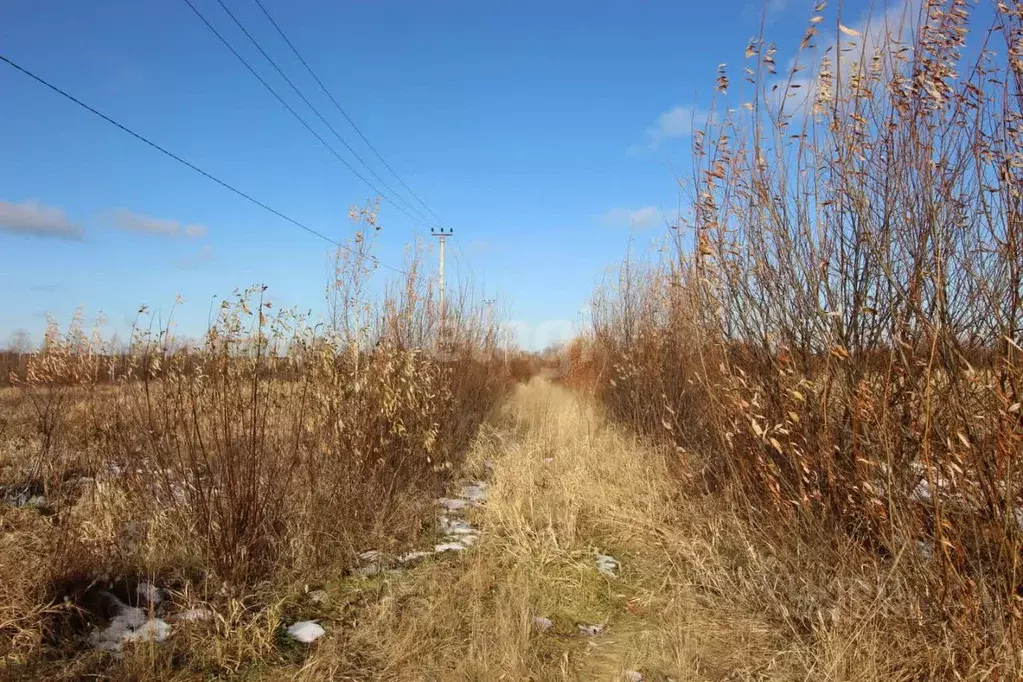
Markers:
<point>673,612</point>
<point>832,342</point>
<point>829,373</point>
<point>235,472</point>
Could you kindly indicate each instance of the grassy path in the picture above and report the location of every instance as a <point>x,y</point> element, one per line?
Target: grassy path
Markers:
<point>564,485</point>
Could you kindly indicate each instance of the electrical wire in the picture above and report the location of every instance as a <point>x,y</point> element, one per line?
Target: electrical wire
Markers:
<point>296,114</point>
<point>192,166</point>
<point>341,109</point>
<point>316,111</point>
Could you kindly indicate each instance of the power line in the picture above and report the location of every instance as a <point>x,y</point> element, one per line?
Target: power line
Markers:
<point>200,171</point>
<point>296,114</point>
<point>317,112</point>
<point>343,112</point>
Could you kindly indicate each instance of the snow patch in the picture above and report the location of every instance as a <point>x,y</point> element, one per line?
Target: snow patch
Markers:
<point>542,623</point>
<point>149,593</point>
<point>606,564</point>
<point>409,557</point>
<point>475,493</point>
<point>375,569</point>
<point>926,549</point>
<point>922,492</point>
<point>306,631</point>
<point>192,616</point>
<point>452,505</point>
<point>455,527</point>
<point>130,624</point>
<point>448,547</point>
<point>590,630</point>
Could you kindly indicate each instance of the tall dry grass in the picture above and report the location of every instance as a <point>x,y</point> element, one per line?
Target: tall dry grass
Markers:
<point>835,335</point>
<point>236,470</point>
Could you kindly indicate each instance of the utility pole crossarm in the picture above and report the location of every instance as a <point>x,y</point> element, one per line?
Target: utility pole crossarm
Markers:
<point>441,234</point>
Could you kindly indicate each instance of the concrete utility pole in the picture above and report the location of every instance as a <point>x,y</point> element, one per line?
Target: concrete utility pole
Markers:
<point>441,234</point>
<point>489,302</point>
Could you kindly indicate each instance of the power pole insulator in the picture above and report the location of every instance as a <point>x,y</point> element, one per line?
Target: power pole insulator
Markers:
<point>441,234</point>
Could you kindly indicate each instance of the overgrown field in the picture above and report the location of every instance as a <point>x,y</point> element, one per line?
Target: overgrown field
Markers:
<point>212,486</point>
<point>832,340</point>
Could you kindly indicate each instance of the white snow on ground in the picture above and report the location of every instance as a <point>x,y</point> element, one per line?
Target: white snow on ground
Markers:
<point>448,547</point>
<point>475,493</point>
<point>191,615</point>
<point>149,594</point>
<point>455,527</point>
<point>23,498</point>
<point>922,491</point>
<point>306,631</point>
<point>413,556</point>
<point>456,531</point>
<point>456,534</point>
<point>542,623</point>
<point>590,630</point>
<point>369,570</point>
<point>130,624</point>
<point>926,549</point>
<point>634,676</point>
<point>451,504</point>
<point>606,564</point>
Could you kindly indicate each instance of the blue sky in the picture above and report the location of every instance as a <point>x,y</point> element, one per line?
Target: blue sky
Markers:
<point>539,131</point>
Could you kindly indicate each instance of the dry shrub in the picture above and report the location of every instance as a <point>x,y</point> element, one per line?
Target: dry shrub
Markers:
<point>264,456</point>
<point>840,337</point>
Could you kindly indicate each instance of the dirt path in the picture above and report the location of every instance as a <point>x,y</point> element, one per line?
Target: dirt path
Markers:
<point>529,600</point>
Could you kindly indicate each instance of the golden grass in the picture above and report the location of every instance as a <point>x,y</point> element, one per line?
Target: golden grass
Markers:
<point>833,332</point>
<point>232,473</point>
<point>472,618</point>
<point>701,594</point>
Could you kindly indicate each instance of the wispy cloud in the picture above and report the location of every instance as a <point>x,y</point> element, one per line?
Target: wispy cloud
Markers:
<point>201,256</point>
<point>881,34</point>
<point>130,221</point>
<point>769,11</point>
<point>672,124</point>
<point>34,219</point>
<point>627,217</point>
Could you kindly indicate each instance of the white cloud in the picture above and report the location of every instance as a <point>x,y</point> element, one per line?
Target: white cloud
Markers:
<point>881,34</point>
<point>33,219</point>
<point>136,222</point>
<point>757,10</point>
<point>672,124</point>
<point>625,217</point>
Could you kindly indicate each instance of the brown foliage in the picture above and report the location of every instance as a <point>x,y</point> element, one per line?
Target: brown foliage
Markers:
<point>841,342</point>
<point>270,452</point>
